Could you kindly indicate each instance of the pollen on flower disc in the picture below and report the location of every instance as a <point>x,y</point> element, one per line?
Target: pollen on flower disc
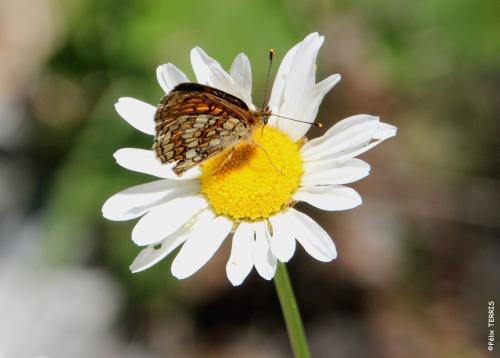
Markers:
<point>251,185</point>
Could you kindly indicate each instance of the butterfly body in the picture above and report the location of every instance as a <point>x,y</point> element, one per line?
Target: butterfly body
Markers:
<point>195,122</point>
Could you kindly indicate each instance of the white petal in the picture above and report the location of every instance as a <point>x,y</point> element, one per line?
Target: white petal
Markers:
<point>302,69</point>
<point>142,161</point>
<point>325,172</point>
<point>311,236</point>
<point>137,200</point>
<point>265,262</point>
<point>206,236</point>
<point>283,240</point>
<point>311,102</point>
<point>145,161</point>
<point>208,71</point>
<point>241,261</point>
<point>357,151</point>
<point>309,108</point>
<point>347,134</point>
<point>165,219</point>
<point>155,253</point>
<point>137,113</point>
<point>169,76</point>
<point>338,128</point>
<point>192,173</point>
<point>295,93</point>
<point>330,197</point>
<point>385,131</point>
<point>221,79</point>
<point>201,63</point>
<point>241,72</point>
<point>300,79</point>
<point>276,98</point>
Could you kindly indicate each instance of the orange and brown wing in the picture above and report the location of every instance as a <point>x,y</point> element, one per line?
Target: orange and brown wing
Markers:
<point>194,126</point>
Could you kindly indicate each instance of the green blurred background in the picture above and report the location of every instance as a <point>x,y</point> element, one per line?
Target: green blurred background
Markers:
<point>418,261</point>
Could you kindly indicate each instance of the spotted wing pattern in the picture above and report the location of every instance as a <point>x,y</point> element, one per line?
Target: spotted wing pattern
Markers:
<point>196,122</point>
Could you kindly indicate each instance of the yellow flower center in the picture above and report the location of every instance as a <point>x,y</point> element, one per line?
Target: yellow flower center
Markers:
<point>253,182</point>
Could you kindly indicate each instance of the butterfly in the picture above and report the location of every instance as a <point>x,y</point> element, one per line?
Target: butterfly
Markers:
<point>195,122</point>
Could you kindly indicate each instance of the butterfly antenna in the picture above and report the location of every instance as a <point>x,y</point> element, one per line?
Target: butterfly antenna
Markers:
<point>266,89</point>
<point>316,124</point>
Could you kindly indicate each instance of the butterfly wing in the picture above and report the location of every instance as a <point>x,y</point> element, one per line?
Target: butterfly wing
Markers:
<point>192,126</point>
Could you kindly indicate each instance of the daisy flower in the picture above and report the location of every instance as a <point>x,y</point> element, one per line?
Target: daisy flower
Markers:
<point>249,200</point>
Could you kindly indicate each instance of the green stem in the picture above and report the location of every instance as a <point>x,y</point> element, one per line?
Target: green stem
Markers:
<point>291,313</point>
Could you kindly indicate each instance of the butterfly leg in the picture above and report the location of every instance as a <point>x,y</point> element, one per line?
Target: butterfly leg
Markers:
<point>267,156</point>
<point>225,161</point>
